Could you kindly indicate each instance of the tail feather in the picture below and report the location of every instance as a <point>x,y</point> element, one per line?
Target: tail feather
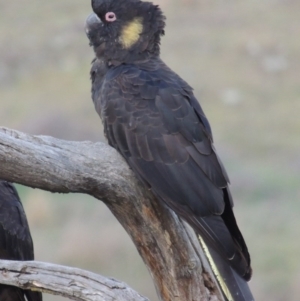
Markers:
<point>233,286</point>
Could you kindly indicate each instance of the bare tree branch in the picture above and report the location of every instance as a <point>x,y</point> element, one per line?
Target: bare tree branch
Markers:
<point>68,282</point>
<point>168,247</point>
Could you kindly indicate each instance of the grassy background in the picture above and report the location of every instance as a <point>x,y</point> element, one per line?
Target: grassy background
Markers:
<point>242,58</point>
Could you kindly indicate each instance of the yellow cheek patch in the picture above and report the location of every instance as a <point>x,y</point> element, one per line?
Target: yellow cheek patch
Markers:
<point>131,33</point>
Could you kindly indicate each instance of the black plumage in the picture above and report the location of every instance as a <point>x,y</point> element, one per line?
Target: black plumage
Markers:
<point>15,240</point>
<point>153,119</point>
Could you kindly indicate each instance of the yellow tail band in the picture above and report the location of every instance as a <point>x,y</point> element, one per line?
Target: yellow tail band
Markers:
<point>215,270</point>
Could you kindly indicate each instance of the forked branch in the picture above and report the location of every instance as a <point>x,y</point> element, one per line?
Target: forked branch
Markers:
<point>167,245</point>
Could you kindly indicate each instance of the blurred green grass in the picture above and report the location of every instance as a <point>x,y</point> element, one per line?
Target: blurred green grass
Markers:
<point>243,60</point>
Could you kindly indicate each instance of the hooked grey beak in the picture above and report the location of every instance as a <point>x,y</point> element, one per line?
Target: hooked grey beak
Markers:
<point>91,22</point>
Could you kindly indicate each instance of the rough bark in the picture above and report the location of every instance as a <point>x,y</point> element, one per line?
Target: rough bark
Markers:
<point>68,282</point>
<point>167,245</point>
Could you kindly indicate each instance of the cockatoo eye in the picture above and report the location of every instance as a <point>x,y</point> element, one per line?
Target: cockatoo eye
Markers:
<point>110,17</point>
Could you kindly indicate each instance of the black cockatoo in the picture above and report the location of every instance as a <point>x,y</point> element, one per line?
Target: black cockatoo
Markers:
<point>15,240</point>
<point>151,116</point>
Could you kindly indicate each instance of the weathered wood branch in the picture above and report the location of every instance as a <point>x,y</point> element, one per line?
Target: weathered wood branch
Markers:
<point>167,245</point>
<point>68,282</point>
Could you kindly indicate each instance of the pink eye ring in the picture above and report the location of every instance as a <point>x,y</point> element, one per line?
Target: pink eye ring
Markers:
<point>110,17</point>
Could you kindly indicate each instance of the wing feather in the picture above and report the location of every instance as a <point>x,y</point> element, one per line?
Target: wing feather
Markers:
<point>15,238</point>
<point>153,119</point>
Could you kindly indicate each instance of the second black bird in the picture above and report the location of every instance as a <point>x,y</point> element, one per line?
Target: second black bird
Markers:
<point>15,240</point>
